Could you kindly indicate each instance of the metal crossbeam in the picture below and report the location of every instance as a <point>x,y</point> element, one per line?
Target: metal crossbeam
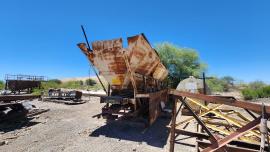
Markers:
<point>218,100</point>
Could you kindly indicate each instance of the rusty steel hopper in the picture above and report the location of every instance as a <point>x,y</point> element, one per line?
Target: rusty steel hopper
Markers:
<point>130,72</point>
<point>117,64</point>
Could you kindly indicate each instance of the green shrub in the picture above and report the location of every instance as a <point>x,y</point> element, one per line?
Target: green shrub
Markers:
<point>215,84</point>
<point>57,81</point>
<point>49,84</point>
<point>45,86</point>
<point>90,82</point>
<point>261,92</point>
<point>37,91</point>
<point>266,91</point>
<point>249,94</point>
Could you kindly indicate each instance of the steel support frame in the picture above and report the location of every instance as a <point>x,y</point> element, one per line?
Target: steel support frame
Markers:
<point>212,138</point>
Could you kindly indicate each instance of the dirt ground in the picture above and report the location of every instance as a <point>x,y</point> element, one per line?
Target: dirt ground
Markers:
<point>72,128</point>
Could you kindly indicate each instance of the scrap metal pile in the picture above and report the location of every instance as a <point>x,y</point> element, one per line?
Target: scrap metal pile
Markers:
<point>65,96</point>
<point>227,124</point>
<point>14,107</point>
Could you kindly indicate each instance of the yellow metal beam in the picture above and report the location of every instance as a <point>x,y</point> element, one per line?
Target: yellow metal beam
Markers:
<point>200,115</point>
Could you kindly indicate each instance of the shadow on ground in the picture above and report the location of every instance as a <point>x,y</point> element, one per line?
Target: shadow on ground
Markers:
<point>156,135</point>
<point>7,126</point>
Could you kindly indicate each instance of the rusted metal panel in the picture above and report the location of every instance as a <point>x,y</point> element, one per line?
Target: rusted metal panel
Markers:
<point>160,72</point>
<point>154,104</point>
<point>108,59</point>
<point>144,59</point>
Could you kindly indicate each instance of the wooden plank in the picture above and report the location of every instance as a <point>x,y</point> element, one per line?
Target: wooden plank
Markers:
<point>218,100</point>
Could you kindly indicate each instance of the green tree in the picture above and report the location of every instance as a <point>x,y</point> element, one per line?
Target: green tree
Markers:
<point>2,85</point>
<point>181,62</point>
<point>229,80</point>
<point>223,84</point>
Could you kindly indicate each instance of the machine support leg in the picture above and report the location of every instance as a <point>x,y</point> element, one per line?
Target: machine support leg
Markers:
<point>172,140</point>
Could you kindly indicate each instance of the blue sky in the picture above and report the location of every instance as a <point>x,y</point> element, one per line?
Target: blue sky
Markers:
<point>40,37</point>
